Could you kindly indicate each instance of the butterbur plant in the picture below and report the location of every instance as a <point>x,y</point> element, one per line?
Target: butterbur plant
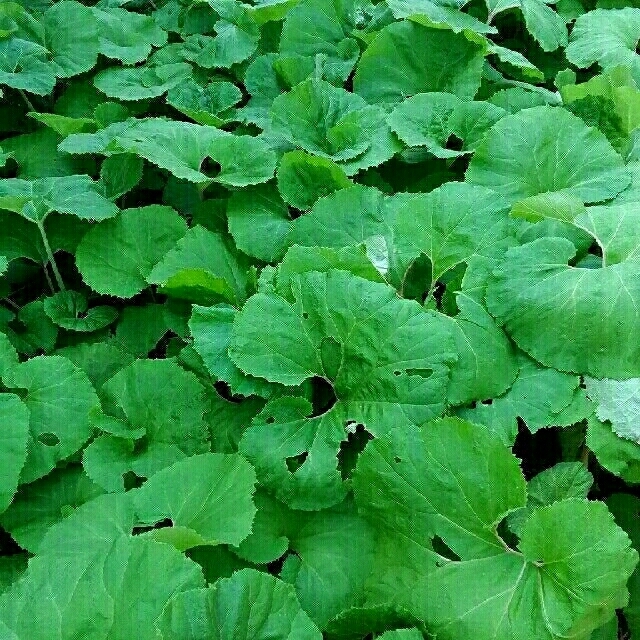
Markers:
<point>318,320</point>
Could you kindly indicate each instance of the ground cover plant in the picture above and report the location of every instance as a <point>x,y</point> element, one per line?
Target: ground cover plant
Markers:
<point>319,319</point>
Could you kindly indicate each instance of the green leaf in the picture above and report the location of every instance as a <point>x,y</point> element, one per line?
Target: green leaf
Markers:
<point>59,397</point>
<point>406,58</point>
<point>143,393</point>
<point>304,178</point>
<point>453,223</point>
<point>617,455</point>
<point>487,365</point>
<point>606,36</point>
<point>120,173</point>
<point>544,24</point>
<point>449,478</point>
<point>618,402</point>
<point>569,318</point>
<point>259,207</point>
<point>99,360</point>
<point>429,119</point>
<point>396,383</point>
<point>203,267</point>
<point>15,416</point>
<point>547,149</point>
<point>96,566</point>
<point>181,148</point>
<point>333,123</point>
<point>127,36</point>
<point>116,256</point>
<point>205,105</point>
<point>139,83</point>
<point>249,605</point>
<point>563,480</point>
<point>625,510</point>
<point>42,504</point>
<point>545,591</point>
<point>74,195</point>
<point>211,328</point>
<point>539,396</point>
<point>71,35</point>
<point>70,310</point>
<point>331,576</point>
<point>359,214</point>
<point>208,497</point>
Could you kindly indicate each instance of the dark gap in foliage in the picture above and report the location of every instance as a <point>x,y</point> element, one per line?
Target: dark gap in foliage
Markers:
<point>606,483</point>
<point>132,481</point>
<point>275,567</point>
<point>160,350</point>
<point>8,546</point>
<point>538,451</point>
<point>417,279</point>
<point>210,167</point>
<point>295,462</point>
<point>323,396</point>
<point>294,213</point>
<point>163,524</point>
<point>224,391</point>
<point>439,546</point>
<point>352,447</point>
<point>454,143</point>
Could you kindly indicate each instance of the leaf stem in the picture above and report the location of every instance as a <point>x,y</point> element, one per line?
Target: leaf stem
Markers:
<point>26,100</point>
<point>51,259</point>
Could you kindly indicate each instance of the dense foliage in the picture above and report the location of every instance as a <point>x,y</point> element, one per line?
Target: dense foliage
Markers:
<point>319,319</point>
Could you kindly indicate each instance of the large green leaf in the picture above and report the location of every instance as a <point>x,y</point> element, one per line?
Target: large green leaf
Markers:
<point>606,36</point>
<point>547,149</point>
<point>59,397</point>
<point>208,498</point>
<point>74,195</point>
<point>406,58</point>
<point>126,35</point>
<point>329,331</point>
<point>465,482</point>
<point>116,256</point>
<point>572,319</point>
<point>181,148</point>
<point>15,415</point>
<point>335,124</point>
<point>90,570</point>
<point>250,605</point>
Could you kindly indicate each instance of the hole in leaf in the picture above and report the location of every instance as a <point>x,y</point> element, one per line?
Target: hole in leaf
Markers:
<point>439,546</point>
<point>305,315</point>
<point>323,396</point>
<point>132,481</point>
<point>295,462</point>
<point>397,460</point>
<point>295,213</point>
<point>423,373</point>
<point>270,420</point>
<point>82,314</point>
<point>352,447</point>
<point>454,143</point>
<point>396,373</point>
<point>210,167</point>
<point>487,402</point>
<point>49,439</point>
